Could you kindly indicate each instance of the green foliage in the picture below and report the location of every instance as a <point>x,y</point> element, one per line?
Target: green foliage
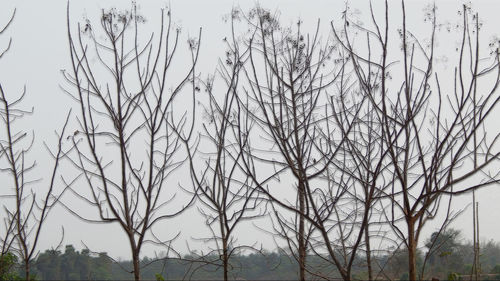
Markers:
<point>490,251</point>
<point>75,265</point>
<point>496,269</point>
<point>8,264</point>
<point>447,254</point>
<point>72,265</point>
<point>467,268</point>
<point>453,276</point>
<point>396,263</point>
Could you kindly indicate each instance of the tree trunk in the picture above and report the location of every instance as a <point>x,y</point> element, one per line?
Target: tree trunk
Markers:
<point>368,253</point>
<point>301,238</point>
<point>137,268</point>
<point>412,253</point>
<point>27,271</point>
<point>225,258</point>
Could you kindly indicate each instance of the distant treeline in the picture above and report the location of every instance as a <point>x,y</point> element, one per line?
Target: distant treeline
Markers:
<point>451,260</point>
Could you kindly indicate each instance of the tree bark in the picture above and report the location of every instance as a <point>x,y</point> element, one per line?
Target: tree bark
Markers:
<point>137,268</point>
<point>412,253</point>
<point>27,270</point>
<point>368,253</point>
<point>225,258</point>
<point>301,238</point>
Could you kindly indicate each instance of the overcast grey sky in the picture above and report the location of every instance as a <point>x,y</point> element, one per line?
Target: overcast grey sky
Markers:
<point>40,51</point>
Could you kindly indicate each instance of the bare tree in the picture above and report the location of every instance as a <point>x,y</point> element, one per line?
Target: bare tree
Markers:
<point>436,142</point>
<point>3,29</point>
<point>286,99</point>
<point>27,213</point>
<point>225,192</point>
<point>7,237</point>
<point>128,141</point>
<point>306,122</point>
<point>32,205</point>
<point>363,166</point>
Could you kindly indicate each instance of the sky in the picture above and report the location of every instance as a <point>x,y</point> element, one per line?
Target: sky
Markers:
<point>39,53</point>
